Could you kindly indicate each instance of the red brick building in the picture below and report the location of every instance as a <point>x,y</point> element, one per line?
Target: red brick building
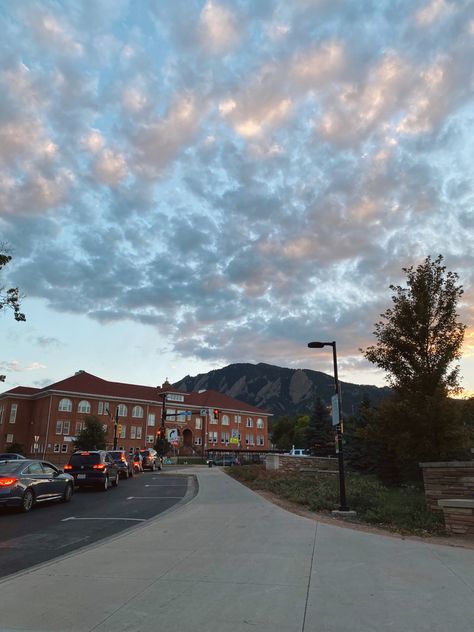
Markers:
<point>45,421</point>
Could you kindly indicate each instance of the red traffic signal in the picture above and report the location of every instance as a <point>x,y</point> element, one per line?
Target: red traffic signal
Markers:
<point>158,433</point>
<point>216,413</point>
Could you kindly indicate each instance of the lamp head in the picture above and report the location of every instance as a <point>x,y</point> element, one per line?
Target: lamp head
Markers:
<point>316,345</point>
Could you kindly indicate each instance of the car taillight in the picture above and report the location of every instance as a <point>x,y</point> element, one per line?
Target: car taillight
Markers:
<point>7,482</point>
<point>99,466</point>
<point>122,458</point>
<point>68,467</point>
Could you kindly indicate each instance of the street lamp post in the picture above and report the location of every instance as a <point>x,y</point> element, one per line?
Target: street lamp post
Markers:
<point>342,481</point>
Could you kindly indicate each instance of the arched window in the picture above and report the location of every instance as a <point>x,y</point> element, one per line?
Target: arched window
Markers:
<point>65,405</point>
<point>225,420</point>
<point>122,410</point>
<point>259,423</point>
<point>137,411</point>
<point>84,407</point>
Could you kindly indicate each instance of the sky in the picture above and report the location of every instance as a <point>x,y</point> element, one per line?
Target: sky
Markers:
<point>185,184</point>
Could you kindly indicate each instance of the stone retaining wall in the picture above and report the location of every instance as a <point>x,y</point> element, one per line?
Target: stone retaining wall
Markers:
<point>287,463</point>
<point>458,516</point>
<point>450,479</point>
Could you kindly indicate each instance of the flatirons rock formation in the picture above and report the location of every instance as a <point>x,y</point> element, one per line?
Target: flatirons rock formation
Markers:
<point>278,390</point>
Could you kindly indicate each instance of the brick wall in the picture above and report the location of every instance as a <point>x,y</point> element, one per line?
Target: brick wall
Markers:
<point>286,463</point>
<point>450,479</point>
<point>458,516</point>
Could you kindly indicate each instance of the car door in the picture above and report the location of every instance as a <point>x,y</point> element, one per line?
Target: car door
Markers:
<point>37,480</point>
<point>55,484</point>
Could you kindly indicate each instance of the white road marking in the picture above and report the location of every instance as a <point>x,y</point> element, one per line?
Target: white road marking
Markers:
<point>153,497</point>
<point>174,485</point>
<point>132,519</point>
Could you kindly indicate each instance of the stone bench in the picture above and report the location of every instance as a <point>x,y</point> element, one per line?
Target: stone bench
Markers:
<point>458,515</point>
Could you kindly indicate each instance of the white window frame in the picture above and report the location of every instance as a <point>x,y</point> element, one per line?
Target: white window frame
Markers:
<point>151,419</point>
<point>102,408</point>
<point>13,412</point>
<point>9,438</point>
<point>57,448</point>
<point>139,432</point>
<point>260,440</point>
<point>64,448</point>
<point>133,432</point>
<point>174,397</point>
<point>238,419</point>
<point>225,420</point>
<point>150,439</point>
<point>137,412</point>
<point>249,422</point>
<point>59,428</point>
<point>66,427</point>
<point>122,410</point>
<point>198,423</point>
<point>79,427</point>
<point>65,405</point>
<point>197,440</point>
<point>260,423</point>
<point>225,437</point>
<point>84,407</point>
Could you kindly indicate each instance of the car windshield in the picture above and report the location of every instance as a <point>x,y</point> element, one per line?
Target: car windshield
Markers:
<point>85,458</point>
<point>11,466</point>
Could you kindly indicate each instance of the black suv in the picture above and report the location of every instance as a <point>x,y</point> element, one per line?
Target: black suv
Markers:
<point>150,459</point>
<point>123,462</point>
<point>93,468</point>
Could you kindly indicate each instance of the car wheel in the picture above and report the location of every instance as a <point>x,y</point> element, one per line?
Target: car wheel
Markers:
<point>105,484</point>
<point>28,500</point>
<point>115,482</point>
<point>67,494</point>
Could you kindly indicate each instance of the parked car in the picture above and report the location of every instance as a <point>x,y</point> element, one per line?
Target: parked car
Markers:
<point>11,456</point>
<point>93,468</point>
<point>150,459</point>
<point>124,463</point>
<point>25,482</point>
<point>226,460</point>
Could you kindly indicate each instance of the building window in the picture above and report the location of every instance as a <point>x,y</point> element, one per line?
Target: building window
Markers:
<point>174,397</point>
<point>225,437</point>
<point>259,423</point>
<point>198,423</point>
<point>65,405</point>
<point>9,438</point>
<point>1,414</point>
<point>135,432</point>
<point>248,439</point>
<point>103,408</point>
<point>66,427</point>
<point>64,447</point>
<point>150,439</point>
<point>170,413</point>
<point>198,441</point>
<point>59,427</point>
<point>137,411</point>
<point>212,419</point>
<point>57,447</point>
<point>13,409</point>
<point>213,437</point>
<point>225,420</point>
<point>237,419</point>
<point>84,407</point>
<point>122,410</point>
<point>181,416</point>
<point>151,419</point>
<point>79,427</point>
<point>260,440</point>
<point>249,422</point>
<point>123,432</point>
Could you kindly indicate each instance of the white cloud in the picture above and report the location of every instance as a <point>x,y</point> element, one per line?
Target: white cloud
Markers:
<point>433,11</point>
<point>110,167</point>
<point>218,30</point>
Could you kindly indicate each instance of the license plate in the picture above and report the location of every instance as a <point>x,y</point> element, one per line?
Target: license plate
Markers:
<point>81,476</point>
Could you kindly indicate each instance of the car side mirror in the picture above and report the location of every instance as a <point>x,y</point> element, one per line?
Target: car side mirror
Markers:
<point>59,472</point>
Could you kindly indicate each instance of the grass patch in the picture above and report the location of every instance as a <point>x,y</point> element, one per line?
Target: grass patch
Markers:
<point>400,509</point>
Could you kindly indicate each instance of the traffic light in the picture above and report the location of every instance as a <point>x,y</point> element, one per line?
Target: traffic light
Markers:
<point>216,413</point>
<point>158,434</point>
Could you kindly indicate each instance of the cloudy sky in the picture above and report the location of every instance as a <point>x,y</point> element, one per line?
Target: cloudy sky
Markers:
<point>190,183</point>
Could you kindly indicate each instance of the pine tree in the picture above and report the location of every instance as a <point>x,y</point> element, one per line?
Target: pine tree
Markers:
<point>320,434</point>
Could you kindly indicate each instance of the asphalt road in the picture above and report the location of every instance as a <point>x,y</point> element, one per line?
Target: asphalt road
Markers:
<point>54,529</point>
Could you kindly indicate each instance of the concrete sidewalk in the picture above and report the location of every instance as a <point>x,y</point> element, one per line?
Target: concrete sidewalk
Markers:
<point>230,561</point>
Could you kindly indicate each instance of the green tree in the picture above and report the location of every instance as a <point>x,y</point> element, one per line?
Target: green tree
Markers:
<point>9,298</point>
<point>418,340</point>
<point>162,445</point>
<point>93,436</point>
<point>319,436</point>
<point>289,431</point>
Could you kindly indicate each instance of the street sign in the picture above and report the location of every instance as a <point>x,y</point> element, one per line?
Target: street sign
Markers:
<point>188,413</point>
<point>335,409</point>
<point>37,438</point>
<point>175,444</point>
<point>172,434</point>
<point>203,412</point>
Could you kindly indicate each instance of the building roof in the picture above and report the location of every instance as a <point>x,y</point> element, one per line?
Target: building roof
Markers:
<point>84,383</point>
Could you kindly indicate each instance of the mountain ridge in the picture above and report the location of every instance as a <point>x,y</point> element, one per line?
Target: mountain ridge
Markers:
<point>280,390</point>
